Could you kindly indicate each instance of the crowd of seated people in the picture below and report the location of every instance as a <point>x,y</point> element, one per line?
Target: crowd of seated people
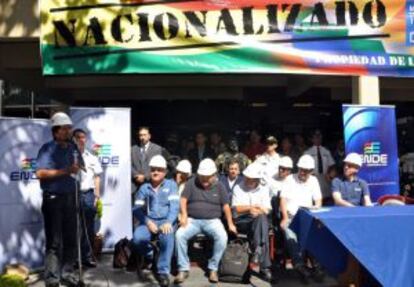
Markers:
<point>244,199</point>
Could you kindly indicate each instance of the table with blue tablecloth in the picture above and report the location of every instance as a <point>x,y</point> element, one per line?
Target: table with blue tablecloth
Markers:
<point>381,238</point>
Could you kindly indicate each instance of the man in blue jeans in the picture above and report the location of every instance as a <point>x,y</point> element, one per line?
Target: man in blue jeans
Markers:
<point>202,203</point>
<point>156,208</point>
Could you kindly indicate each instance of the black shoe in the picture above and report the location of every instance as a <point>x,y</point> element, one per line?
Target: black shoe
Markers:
<point>164,280</point>
<point>69,281</point>
<point>303,272</point>
<point>89,263</point>
<point>266,274</point>
<point>52,284</point>
<point>317,274</point>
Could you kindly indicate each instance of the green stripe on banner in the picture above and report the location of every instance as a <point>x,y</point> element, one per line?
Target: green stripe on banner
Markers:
<point>230,59</point>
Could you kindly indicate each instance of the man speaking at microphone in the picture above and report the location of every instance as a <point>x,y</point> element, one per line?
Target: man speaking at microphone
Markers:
<point>57,162</point>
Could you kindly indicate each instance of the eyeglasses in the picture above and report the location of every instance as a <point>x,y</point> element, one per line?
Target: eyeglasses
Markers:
<point>157,169</point>
<point>305,170</point>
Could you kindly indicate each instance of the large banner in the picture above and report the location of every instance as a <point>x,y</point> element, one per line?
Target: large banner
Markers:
<point>109,135</point>
<point>355,37</point>
<point>21,222</point>
<point>371,132</point>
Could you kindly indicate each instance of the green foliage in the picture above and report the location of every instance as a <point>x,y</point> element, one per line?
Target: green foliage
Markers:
<point>99,208</point>
<point>11,281</point>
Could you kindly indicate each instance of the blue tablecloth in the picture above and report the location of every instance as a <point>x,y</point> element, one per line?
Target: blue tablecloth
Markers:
<point>381,238</point>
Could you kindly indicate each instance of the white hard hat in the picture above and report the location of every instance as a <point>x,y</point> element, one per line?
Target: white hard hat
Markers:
<point>286,161</point>
<point>306,162</point>
<point>184,166</point>
<point>158,161</point>
<point>253,170</point>
<point>353,158</point>
<point>60,119</point>
<point>207,167</point>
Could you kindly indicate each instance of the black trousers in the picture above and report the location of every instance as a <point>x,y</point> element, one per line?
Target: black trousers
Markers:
<point>59,215</point>
<point>88,224</point>
<point>257,230</point>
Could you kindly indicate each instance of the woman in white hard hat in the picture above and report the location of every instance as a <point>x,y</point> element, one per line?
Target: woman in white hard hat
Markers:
<point>183,173</point>
<point>350,190</point>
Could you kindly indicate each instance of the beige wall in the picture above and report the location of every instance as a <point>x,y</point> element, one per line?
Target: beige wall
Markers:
<point>19,18</point>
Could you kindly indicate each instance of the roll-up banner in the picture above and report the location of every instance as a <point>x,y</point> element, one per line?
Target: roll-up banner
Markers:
<point>371,131</point>
<point>109,135</point>
<point>21,222</point>
<point>355,37</point>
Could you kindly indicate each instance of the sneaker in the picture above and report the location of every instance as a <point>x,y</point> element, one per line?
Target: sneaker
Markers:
<point>213,277</point>
<point>163,280</point>
<point>181,276</point>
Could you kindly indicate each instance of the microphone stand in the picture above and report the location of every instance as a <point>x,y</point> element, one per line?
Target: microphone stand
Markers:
<point>81,283</point>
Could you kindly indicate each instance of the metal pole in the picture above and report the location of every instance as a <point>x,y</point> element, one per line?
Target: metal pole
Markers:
<point>1,96</point>
<point>32,104</point>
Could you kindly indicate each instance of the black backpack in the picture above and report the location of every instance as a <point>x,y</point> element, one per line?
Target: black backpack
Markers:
<point>234,266</point>
<point>122,253</point>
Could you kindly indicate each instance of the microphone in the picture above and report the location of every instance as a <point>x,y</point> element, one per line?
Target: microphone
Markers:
<point>76,153</point>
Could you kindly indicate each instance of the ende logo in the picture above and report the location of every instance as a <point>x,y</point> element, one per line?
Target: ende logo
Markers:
<point>104,153</point>
<point>373,156</point>
<point>27,171</point>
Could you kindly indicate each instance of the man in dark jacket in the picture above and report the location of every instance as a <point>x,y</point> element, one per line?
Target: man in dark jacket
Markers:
<point>141,154</point>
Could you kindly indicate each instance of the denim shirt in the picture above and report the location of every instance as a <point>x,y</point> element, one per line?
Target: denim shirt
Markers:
<point>162,204</point>
<point>53,156</point>
<point>351,191</point>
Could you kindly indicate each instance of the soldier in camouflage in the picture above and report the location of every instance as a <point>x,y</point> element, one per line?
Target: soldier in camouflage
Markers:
<point>223,159</point>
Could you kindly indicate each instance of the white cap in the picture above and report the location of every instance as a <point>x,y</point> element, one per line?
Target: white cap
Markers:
<point>60,119</point>
<point>184,166</point>
<point>253,170</point>
<point>353,158</point>
<point>207,167</point>
<point>306,162</point>
<point>286,161</point>
<point>158,161</point>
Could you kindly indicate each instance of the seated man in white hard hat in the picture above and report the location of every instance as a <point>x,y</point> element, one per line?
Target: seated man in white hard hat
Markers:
<point>251,201</point>
<point>299,190</point>
<point>351,190</point>
<point>182,174</point>
<point>285,169</point>
<point>202,204</point>
<point>276,183</point>
<point>156,208</point>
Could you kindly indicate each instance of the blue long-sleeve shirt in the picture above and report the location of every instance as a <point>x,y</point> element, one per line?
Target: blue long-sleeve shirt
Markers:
<point>162,204</point>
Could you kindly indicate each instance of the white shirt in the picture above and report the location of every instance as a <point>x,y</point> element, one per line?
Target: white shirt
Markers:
<point>270,165</point>
<point>300,194</point>
<point>259,196</point>
<point>327,159</point>
<point>93,168</point>
<point>231,182</point>
<point>275,186</point>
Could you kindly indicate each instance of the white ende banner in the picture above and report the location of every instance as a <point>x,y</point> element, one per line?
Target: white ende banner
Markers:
<point>109,135</point>
<point>21,222</point>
